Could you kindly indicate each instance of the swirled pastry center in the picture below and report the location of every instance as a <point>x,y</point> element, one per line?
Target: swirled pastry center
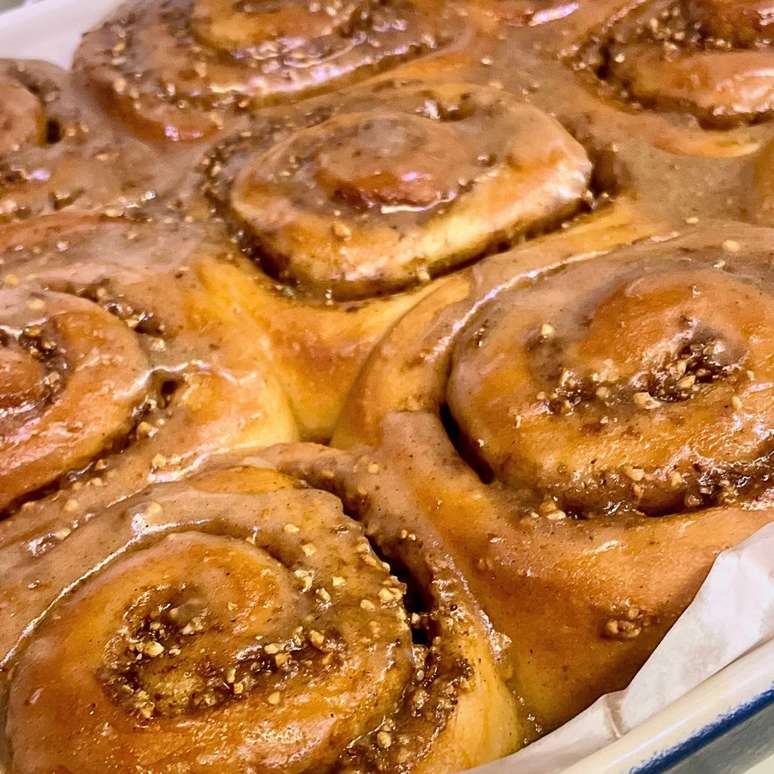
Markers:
<point>180,68</point>
<point>390,160</point>
<point>652,393</point>
<point>270,25</point>
<point>403,185</point>
<point>265,634</point>
<point>712,58</point>
<point>71,376</point>
<point>188,625</point>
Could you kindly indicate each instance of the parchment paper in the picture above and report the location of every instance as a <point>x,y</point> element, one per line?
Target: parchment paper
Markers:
<point>732,615</point>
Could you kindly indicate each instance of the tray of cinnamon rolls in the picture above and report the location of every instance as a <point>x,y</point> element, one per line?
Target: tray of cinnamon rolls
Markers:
<point>381,380</point>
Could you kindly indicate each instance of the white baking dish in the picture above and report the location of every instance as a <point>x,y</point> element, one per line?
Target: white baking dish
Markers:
<point>725,724</point>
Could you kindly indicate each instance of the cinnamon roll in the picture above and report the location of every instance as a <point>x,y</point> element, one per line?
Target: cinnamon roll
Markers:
<point>57,152</point>
<point>711,58</point>
<point>350,209</point>
<point>573,67</point>
<point>117,364</point>
<point>423,180</point>
<point>581,440</point>
<point>240,621</point>
<point>178,69</point>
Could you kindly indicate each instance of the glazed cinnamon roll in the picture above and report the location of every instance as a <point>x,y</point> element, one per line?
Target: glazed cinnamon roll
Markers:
<point>711,58</point>
<point>349,210</point>
<point>57,152</point>
<point>582,441</point>
<point>178,69</point>
<point>240,621</point>
<point>117,364</point>
<point>423,180</point>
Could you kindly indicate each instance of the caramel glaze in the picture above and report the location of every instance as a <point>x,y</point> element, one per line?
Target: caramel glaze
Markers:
<point>342,252</point>
<point>182,69</point>
<point>57,151</point>
<point>230,311</point>
<point>414,182</point>
<point>339,205</point>
<point>118,365</point>
<point>582,440</point>
<point>240,621</point>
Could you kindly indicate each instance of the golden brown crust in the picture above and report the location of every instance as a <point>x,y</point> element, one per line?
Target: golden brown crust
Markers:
<point>106,359</point>
<point>57,152</point>
<point>570,430</point>
<point>239,620</point>
<point>418,179</point>
<point>179,69</point>
<point>316,346</point>
<point>583,441</point>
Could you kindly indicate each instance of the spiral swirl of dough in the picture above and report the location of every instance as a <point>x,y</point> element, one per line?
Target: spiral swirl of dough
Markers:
<point>107,373</point>
<point>400,185</point>
<point>179,68</point>
<point>239,620</point>
<point>580,437</point>
<point>711,58</point>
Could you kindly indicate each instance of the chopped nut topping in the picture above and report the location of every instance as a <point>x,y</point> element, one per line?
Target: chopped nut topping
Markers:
<point>384,739</point>
<point>71,505</point>
<point>317,639</point>
<point>622,629</point>
<point>153,649</point>
<point>731,246</point>
<point>646,401</point>
<point>341,230</point>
